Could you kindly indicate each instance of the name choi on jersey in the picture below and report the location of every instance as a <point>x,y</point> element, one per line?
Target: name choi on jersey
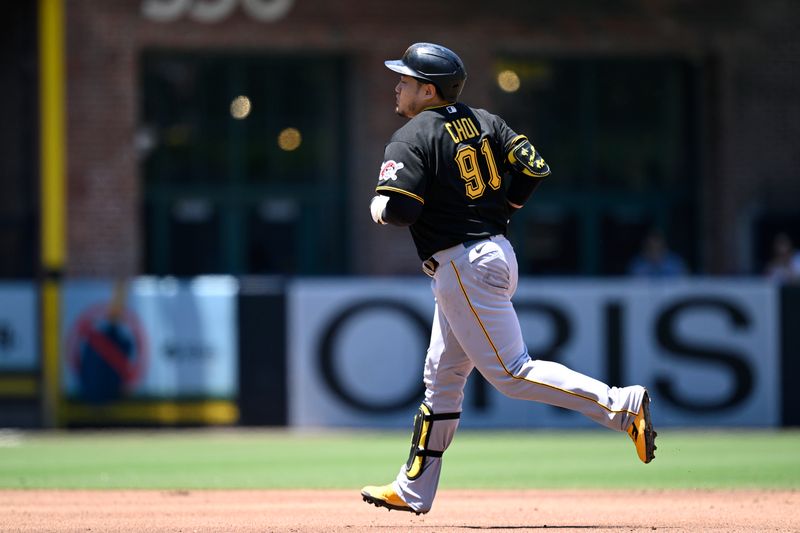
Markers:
<point>462,129</point>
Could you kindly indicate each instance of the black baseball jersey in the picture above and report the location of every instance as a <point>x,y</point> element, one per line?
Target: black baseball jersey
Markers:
<point>453,160</point>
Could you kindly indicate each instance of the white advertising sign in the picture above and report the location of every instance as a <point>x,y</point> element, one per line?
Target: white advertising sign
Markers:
<point>19,348</point>
<point>356,350</point>
<point>151,338</point>
<point>706,349</point>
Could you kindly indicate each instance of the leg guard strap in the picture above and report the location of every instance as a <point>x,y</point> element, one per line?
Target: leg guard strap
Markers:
<point>423,426</point>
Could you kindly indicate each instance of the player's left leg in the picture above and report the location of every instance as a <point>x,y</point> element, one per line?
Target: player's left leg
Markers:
<point>446,370</point>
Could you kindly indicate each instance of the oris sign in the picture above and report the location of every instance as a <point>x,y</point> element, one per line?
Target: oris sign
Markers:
<point>211,11</point>
<point>708,350</point>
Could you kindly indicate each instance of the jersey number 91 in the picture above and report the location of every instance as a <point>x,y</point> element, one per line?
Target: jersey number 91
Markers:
<point>467,160</point>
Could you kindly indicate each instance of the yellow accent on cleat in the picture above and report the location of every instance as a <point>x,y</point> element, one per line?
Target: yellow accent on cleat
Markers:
<point>642,433</point>
<point>385,496</point>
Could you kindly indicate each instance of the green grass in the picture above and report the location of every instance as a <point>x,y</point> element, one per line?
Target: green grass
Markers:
<point>227,459</point>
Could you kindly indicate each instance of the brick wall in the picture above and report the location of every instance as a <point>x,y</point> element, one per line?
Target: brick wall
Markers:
<point>751,48</point>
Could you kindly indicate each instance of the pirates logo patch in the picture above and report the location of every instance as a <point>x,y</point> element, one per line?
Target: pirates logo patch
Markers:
<point>389,170</point>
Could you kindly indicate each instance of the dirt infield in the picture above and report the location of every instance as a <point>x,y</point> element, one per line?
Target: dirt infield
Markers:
<point>343,511</point>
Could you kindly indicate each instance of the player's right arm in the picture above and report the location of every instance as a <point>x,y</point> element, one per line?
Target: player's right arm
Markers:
<point>401,185</point>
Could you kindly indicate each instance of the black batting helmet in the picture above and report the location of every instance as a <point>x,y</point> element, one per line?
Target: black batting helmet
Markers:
<point>434,64</point>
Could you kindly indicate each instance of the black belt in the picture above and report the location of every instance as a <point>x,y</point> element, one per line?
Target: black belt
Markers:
<point>430,265</point>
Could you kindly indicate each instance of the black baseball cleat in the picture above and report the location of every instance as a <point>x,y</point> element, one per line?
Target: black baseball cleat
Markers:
<point>385,496</point>
<point>642,433</point>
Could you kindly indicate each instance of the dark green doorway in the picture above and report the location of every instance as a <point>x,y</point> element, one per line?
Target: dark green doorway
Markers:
<point>622,135</point>
<point>263,194</point>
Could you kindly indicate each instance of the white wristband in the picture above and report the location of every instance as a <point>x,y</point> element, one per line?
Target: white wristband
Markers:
<point>376,207</point>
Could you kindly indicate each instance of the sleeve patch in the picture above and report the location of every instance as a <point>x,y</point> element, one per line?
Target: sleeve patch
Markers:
<point>389,170</point>
<point>524,158</point>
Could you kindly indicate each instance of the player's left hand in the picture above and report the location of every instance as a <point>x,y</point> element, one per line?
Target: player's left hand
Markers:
<point>376,207</point>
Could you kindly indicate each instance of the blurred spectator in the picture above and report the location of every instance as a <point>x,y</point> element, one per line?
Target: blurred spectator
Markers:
<point>656,260</point>
<point>784,266</point>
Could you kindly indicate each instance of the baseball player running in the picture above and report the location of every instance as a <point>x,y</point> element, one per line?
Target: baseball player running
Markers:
<point>454,175</point>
